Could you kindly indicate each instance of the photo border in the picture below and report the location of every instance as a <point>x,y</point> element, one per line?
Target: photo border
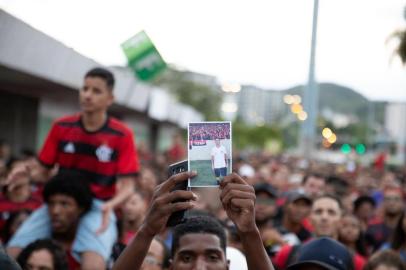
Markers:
<point>231,149</point>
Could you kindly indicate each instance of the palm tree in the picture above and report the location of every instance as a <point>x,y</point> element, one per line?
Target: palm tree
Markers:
<point>401,48</point>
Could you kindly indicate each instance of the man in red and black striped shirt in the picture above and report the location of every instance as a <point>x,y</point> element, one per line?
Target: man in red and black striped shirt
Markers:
<point>103,149</point>
<point>103,155</point>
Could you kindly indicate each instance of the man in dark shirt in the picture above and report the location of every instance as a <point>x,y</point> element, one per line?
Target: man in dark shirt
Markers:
<point>379,231</point>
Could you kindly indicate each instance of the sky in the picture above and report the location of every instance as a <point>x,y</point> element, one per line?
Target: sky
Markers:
<point>260,42</point>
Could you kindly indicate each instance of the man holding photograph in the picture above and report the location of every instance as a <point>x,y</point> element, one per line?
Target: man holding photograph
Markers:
<point>199,242</point>
<point>219,160</point>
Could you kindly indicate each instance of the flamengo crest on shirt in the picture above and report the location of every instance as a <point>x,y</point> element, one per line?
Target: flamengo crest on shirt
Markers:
<point>104,153</point>
<point>69,148</point>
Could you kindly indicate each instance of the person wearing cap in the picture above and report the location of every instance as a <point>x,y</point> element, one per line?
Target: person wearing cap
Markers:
<point>265,213</point>
<point>325,216</point>
<point>295,210</point>
<point>265,207</point>
<point>322,254</point>
<point>247,172</point>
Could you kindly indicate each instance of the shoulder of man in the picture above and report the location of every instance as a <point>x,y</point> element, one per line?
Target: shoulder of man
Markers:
<point>284,256</point>
<point>68,119</point>
<point>119,126</point>
<point>6,262</point>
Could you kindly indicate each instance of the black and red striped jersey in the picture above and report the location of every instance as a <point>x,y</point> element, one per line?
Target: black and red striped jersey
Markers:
<point>101,155</point>
<point>8,207</point>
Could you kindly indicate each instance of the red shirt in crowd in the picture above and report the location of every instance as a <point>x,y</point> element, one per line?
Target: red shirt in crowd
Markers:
<point>100,155</point>
<point>176,153</point>
<point>8,207</point>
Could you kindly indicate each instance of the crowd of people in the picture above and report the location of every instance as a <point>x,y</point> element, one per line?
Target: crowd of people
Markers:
<point>209,131</point>
<point>273,212</point>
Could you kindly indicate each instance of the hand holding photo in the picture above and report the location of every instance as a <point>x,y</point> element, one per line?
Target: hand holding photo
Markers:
<point>209,152</point>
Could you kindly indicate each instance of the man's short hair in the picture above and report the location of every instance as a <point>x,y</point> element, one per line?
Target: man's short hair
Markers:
<point>58,254</point>
<point>388,258</point>
<point>364,199</point>
<point>332,197</point>
<point>198,224</point>
<point>72,184</point>
<point>315,175</point>
<point>104,74</point>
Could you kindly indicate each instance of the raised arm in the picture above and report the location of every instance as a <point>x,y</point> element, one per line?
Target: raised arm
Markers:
<point>161,208</point>
<point>39,170</point>
<point>32,168</point>
<point>238,199</point>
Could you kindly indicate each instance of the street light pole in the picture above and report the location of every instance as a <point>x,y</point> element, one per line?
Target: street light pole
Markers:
<point>311,97</point>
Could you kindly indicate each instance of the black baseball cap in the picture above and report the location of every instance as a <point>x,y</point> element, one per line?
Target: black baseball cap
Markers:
<point>267,188</point>
<point>325,252</point>
<point>295,195</point>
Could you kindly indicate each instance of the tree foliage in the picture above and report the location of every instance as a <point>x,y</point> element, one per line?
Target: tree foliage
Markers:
<point>401,48</point>
<point>255,137</point>
<point>198,95</point>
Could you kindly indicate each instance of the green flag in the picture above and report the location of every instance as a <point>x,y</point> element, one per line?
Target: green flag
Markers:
<point>143,58</point>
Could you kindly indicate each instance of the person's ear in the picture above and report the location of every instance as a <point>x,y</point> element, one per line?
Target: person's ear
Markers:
<point>111,101</point>
<point>170,264</point>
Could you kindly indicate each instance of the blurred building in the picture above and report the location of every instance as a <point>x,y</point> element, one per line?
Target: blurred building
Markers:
<point>257,106</point>
<point>39,82</point>
<point>395,126</point>
<point>204,79</point>
<point>251,105</point>
<point>275,108</point>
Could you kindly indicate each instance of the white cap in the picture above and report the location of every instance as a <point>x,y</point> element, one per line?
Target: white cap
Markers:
<point>236,258</point>
<point>246,170</point>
